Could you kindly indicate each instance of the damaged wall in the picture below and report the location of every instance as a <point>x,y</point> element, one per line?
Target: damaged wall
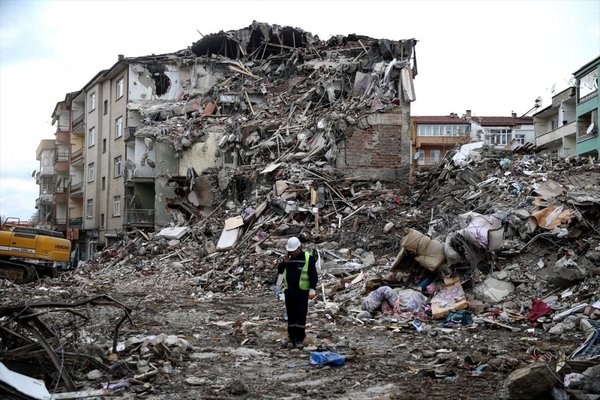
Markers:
<point>166,168</point>
<point>380,150</point>
<point>203,155</point>
<point>267,95</point>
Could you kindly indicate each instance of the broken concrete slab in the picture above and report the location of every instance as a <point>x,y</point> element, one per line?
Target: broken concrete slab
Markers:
<point>531,381</point>
<point>493,290</point>
<point>173,232</point>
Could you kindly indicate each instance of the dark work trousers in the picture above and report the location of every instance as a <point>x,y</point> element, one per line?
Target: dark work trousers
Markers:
<point>296,305</point>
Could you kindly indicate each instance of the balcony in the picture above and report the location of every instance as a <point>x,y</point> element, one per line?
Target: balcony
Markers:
<point>139,218</point>
<point>556,134</point>
<point>77,156</point>
<point>60,196</point>
<point>62,137</point>
<point>76,222</point>
<point>78,124</point>
<point>76,190</point>
<point>442,140</point>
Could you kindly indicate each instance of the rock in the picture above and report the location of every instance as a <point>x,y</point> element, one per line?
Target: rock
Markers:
<point>531,382</point>
<point>476,306</point>
<point>237,387</point>
<point>566,272</point>
<point>388,227</point>
<point>195,381</point>
<point>94,374</point>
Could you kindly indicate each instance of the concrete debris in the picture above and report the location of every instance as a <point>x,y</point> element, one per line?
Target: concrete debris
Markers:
<point>434,269</point>
<point>532,381</point>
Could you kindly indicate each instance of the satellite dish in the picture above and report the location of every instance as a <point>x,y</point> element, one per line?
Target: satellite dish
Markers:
<point>590,128</point>
<point>129,165</point>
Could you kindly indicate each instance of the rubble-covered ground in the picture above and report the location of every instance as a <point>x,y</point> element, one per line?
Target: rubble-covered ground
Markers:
<point>480,280</point>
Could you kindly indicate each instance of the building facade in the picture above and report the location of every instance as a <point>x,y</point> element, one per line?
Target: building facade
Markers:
<point>433,136</point>
<point>503,132</point>
<point>555,126</point>
<point>45,179</point>
<point>587,109</point>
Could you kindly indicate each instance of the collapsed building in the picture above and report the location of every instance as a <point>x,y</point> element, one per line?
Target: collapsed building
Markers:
<point>265,96</point>
<point>146,132</point>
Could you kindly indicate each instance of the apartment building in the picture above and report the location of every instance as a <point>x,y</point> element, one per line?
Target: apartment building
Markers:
<point>44,178</point>
<point>433,136</point>
<point>151,125</point>
<point>555,126</point>
<point>588,109</point>
<point>122,162</point>
<point>503,132</point>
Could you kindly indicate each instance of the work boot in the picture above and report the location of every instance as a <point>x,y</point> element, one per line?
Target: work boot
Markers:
<point>299,345</point>
<point>286,344</point>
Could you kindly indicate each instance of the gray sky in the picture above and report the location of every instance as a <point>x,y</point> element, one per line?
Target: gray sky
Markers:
<point>492,57</point>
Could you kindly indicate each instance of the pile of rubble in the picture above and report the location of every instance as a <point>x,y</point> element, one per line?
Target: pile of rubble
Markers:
<point>487,239</point>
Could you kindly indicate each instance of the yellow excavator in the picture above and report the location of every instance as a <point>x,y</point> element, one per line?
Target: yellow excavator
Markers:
<point>27,253</point>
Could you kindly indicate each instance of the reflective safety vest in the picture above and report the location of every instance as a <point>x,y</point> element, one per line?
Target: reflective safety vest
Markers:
<point>304,282</point>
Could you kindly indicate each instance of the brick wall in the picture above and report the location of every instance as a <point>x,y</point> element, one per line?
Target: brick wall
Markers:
<point>377,150</point>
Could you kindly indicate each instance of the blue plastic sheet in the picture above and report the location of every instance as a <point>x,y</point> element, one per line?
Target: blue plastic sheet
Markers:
<point>323,358</point>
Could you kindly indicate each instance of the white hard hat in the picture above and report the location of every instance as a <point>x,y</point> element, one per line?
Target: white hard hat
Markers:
<point>292,244</point>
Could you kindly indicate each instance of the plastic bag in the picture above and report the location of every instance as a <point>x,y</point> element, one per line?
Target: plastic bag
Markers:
<point>323,358</point>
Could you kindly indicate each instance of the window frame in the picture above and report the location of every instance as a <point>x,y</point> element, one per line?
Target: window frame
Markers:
<point>92,101</point>
<point>118,167</point>
<point>91,171</point>
<point>119,88</point>
<point>119,128</point>
<point>117,206</point>
<point>89,209</point>
<point>91,137</point>
<point>437,158</point>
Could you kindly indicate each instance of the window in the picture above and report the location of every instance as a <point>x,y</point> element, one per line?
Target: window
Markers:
<point>520,138</point>
<point>91,172</point>
<point>588,84</point>
<point>105,107</point>
<point>441,130</point>
<point>119,88</point>
<point>435,156</point>
<point>117,206</point>
<point>497,136</point>
<point>421,157</point>
<point>92,101</point>
<point>89,208</point>
<point>102,220</point>
<point>104,145</point>
<point>118,127</point>
<point>103,183</point>
<point>118,165</point>
<point>92,136</point>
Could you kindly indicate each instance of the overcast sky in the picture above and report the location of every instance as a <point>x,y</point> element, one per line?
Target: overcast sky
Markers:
<point>493,57</point>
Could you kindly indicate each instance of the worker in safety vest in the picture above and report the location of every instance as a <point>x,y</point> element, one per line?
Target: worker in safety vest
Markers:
<point>298,275</point>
